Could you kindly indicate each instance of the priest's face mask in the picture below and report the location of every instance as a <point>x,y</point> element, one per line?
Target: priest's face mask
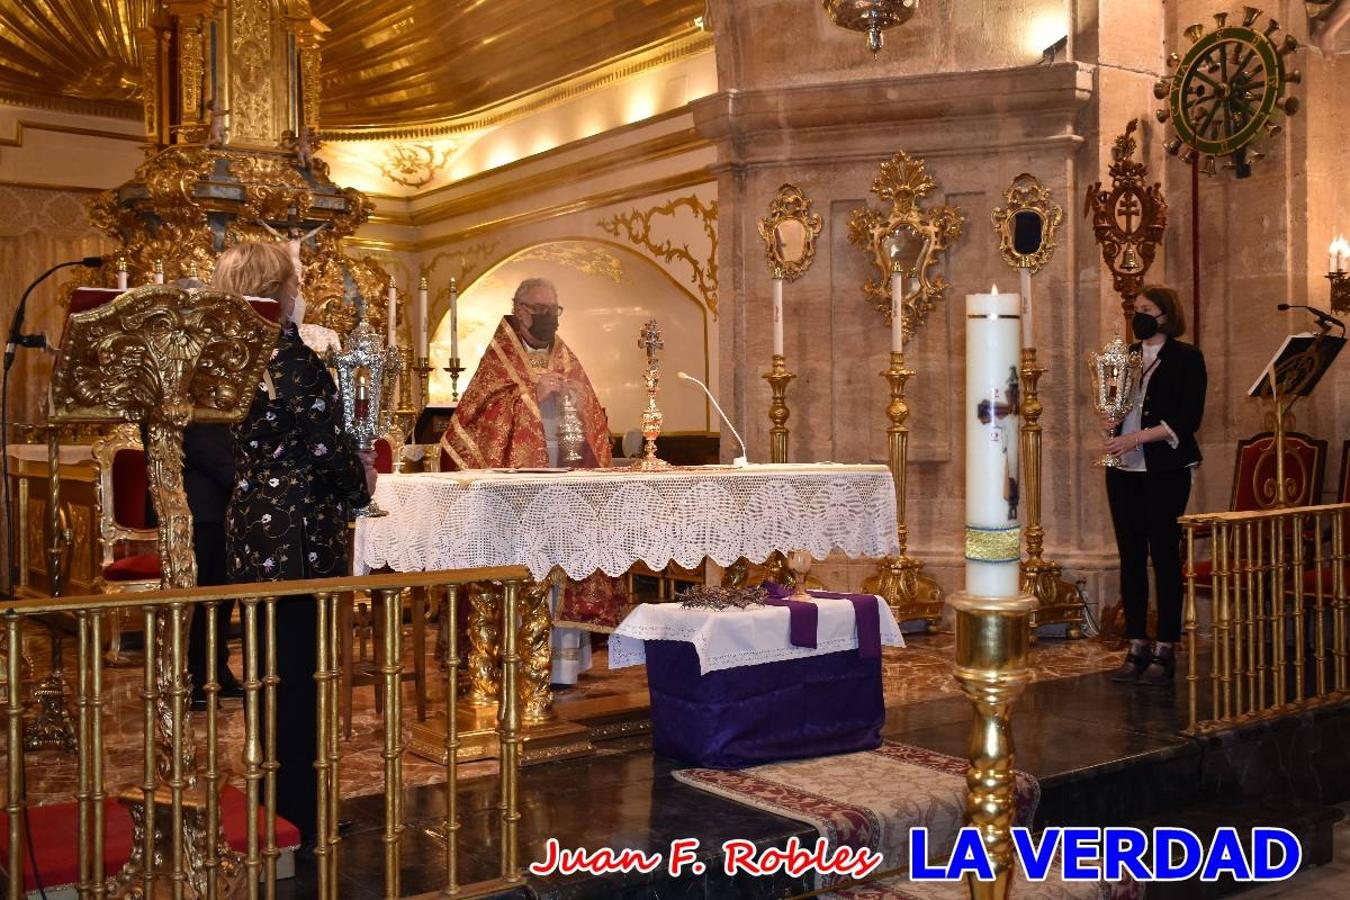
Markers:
<point>538,314</point>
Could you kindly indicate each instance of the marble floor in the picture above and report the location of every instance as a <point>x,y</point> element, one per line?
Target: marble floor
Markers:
<point>919,672</point>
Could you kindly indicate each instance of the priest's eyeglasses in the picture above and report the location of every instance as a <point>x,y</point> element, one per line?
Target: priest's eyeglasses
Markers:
<point>542,310</point>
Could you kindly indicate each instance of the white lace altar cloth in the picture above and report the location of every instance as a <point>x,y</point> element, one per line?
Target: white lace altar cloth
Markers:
<point>610,519</point>
<point>727,638</point>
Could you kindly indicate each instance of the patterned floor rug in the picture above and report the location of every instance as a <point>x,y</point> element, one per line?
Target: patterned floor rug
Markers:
<point>871,800</point>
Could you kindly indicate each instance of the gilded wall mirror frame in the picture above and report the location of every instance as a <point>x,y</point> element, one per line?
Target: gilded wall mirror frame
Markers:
<point>789,232</point>
<point>908,239</point>
<point>1027,223</point>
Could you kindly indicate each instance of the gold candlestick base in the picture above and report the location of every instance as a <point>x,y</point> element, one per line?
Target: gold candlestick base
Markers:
<point>1058,602</point>
<point>423,369</point>
<point>900,580</point>
<point>455,370</point>
<point>993,638</point>
<point>778,378</point>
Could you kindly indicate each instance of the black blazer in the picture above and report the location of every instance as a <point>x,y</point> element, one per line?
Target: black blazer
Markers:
<point>1176,395</point>
<point>208,470</point>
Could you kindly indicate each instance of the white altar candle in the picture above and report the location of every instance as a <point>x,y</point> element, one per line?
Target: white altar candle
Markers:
<point>1334,255</point>
<point>454,320</point>
<point>778,317</point>
<point>897,312</point>
<point>121,274</point>
<point>420,319</point>
<point>993,539</point>
<point>393,313</point>
<point>1028,332</point>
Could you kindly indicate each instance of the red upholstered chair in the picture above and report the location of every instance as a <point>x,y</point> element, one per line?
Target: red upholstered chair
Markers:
<point>385,448</point>
<point>1327,574</point>
<point>1255,483</point>
<point>129,556</point>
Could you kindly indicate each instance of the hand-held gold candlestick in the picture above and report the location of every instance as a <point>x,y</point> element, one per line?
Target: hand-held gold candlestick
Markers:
<point>901,582</point>
<point>650,341</point>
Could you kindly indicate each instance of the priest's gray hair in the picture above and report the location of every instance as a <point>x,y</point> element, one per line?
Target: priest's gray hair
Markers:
<point>530,284</point>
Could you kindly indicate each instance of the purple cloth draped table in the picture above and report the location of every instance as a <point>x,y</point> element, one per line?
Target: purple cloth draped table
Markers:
<point>817,705</point>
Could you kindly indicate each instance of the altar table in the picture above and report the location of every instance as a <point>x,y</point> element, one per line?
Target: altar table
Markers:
<point>729,689</point>
<point>590,520</point>
<point>608,519</point>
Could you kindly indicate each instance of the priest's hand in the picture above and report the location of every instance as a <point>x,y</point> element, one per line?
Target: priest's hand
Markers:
<point>549,384</point>
<point>368,463</point>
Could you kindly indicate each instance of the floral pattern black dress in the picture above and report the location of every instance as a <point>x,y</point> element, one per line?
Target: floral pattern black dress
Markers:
<point>297,474</point>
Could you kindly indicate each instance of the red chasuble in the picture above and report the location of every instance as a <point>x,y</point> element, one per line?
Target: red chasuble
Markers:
<point>497,424</point>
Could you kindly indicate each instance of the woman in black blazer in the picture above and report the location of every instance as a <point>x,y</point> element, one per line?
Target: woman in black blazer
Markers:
<point>1156,445</point>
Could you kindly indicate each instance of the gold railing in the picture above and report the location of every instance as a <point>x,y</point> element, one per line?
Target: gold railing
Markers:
<point>1278,584</point>
<point>169,793</point>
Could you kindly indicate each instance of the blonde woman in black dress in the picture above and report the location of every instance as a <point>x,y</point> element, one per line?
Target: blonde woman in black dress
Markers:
<point>298,475</point>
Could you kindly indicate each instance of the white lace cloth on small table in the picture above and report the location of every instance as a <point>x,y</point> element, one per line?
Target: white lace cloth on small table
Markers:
<point>609,519</point>
<point>727,638</point>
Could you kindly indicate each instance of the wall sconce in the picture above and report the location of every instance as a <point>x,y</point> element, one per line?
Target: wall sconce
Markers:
<point>1338,256</point>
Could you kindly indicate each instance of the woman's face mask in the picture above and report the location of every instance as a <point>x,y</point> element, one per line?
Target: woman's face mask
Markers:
<point>1144,325</point>
<point>298,309</point>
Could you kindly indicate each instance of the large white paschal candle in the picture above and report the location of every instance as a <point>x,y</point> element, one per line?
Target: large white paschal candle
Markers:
<point>392,314</point>
<point>778,317</point>
<point>993,398</point>
<point>897,311</point>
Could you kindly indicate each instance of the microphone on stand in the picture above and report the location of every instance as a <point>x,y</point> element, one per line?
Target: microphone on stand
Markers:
<point>16,336</point>
<point>1323,319</point>
<point>741,460</point>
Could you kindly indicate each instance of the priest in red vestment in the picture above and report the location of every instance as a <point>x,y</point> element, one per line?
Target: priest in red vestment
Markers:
<point>509,417</point>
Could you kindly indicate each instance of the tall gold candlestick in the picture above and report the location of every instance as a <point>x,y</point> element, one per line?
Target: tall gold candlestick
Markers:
<point>907,589</point>
<point>423,369</point>
<point>778,378</point>
<point>1057,600</point>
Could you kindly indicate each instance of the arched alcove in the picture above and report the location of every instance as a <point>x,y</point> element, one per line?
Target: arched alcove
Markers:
<point>607,292</point>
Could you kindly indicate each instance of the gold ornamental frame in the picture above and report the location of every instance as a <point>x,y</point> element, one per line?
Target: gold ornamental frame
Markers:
<point>907,238</point>
<point>790,222</point>
<point>1026,196</point>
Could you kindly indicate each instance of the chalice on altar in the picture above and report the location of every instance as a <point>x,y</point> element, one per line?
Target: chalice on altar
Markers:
<point>1115,378</point>
<point>799,562</point>
<point>363,365</point>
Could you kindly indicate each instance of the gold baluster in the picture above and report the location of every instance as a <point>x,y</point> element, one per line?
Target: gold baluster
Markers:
<point>508,713</point>
<point>150,698</point>
<point>253,752</point>
<point>335,638</point>
<point>1319,604</point>
<point>270,765</point>
<point>1280,688</point>
<point>484,646</point>
<point>1251,616</point>
<point>1191,624</point>
<point>322,678</point>
<point>534,641</point>
<point>1263,619</point>
<point>212,691</point>
<point>1222,676</point>
<point>17,799</point>
<point>451,828</point>
<point>393,739</point>
<point>83,788</point>
<point>97,795</point>
<point>1300,658</point>
<point>1338,590</point>
<point>177,699</point>
<point>1236,566</point>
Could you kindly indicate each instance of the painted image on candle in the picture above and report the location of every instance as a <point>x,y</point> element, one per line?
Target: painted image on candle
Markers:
<point>999,415</point>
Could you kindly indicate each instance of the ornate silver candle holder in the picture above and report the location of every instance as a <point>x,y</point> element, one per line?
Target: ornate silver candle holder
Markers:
<point>650,341</point>
<point>571,435</point>
<point>365,368</point>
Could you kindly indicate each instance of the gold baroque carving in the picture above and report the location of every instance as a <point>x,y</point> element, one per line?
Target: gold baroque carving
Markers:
<point>471,259</point>
<point>1026,196</point>
<point>414,165</point>
<point>789,231</point>
<point>635,226</point>
<point>585,258</point>
<point>907,238</point>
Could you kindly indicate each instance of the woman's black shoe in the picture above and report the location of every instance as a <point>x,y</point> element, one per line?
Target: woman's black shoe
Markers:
<point>1134,666</point>
<point>1161,671</point>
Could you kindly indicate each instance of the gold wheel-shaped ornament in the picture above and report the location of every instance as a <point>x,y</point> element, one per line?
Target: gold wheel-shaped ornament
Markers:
<point>1227,90</point>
